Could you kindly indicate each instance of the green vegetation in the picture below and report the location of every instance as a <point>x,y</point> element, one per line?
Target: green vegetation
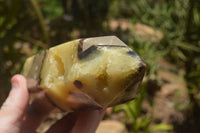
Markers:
<point>157,30</point>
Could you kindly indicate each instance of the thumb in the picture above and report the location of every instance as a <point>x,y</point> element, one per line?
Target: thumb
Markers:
<point>13,109</point>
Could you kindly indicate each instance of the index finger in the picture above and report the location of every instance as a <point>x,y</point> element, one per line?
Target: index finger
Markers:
<point>76,122</point>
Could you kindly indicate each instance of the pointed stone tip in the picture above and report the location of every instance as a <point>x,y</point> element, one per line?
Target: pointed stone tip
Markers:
<point>142,67</point>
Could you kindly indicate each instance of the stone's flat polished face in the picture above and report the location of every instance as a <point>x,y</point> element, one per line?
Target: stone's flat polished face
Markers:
<point>102,41</point>
<point>89,73</point>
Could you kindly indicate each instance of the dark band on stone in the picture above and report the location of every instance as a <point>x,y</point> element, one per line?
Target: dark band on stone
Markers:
<point>80,49</point>
<point>112,46</point>
<point>126,100</point>
<point>81,101</point>
<point>132,53</point>
<point>81,42</point>
<point>137,78</point>
<point>84,54</point>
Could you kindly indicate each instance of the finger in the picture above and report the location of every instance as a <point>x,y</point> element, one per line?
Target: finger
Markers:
<point>84,122</point>
<point>37,112</point>
<point>64,125</point>
<point>88,121</point>
<point>14,107</point>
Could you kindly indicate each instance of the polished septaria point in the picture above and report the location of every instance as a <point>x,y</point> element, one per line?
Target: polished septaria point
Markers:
<point>91,73</point>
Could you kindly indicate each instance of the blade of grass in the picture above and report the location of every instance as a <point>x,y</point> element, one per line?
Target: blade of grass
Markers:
<point>161,127</point>
<point>41,20</point>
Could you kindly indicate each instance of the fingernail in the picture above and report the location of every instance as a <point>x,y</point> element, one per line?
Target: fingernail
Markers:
<point>14,85</point>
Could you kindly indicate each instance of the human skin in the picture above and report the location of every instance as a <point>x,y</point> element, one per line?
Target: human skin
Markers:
<point>18,116</point>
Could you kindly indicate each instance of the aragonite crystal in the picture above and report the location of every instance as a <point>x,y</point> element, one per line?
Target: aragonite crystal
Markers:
<point>89,73</point>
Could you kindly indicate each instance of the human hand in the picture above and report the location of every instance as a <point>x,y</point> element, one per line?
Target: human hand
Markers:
<point>17,116</point>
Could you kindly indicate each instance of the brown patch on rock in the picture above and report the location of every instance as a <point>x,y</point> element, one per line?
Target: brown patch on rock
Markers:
<point>78,84</point>
<point>80,101</point>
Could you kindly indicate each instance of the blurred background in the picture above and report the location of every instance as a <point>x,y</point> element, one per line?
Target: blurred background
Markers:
<point>165,33</point>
